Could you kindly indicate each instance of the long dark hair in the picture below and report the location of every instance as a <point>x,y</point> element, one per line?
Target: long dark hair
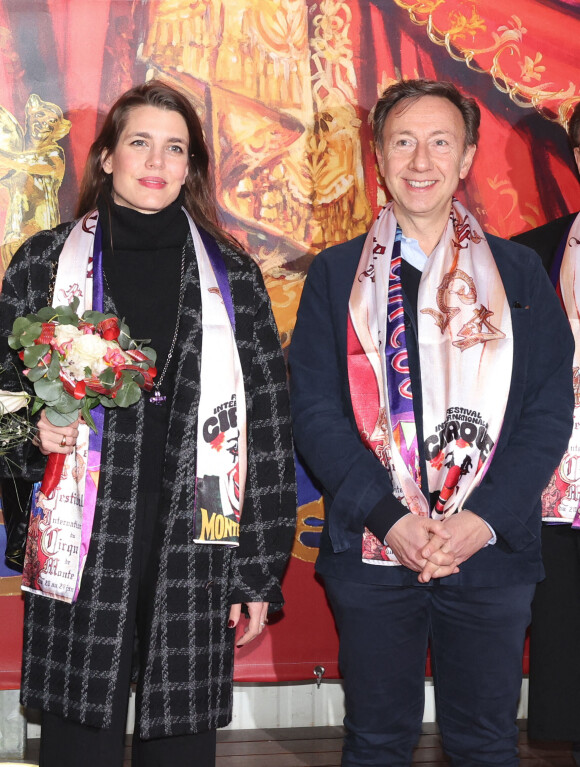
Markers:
<point>200,199</point>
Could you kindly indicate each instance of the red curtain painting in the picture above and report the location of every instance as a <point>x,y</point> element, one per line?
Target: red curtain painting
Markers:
<point>284,89</point>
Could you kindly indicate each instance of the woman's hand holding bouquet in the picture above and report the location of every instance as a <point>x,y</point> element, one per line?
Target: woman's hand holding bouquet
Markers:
<point>75,364</point>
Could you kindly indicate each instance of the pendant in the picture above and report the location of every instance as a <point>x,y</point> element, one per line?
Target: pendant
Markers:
<point>157,398</point>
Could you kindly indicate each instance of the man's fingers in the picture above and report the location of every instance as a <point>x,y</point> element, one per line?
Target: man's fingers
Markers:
<point>436,527</point>
<point>433,571</point>
<point>436,543</point>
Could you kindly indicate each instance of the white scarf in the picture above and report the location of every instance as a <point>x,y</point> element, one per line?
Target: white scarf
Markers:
<point>466,356</point>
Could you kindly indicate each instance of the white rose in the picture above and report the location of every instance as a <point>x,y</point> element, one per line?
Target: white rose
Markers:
<point>87,351</point>
<point>64,333</point>
<point>11,401</point>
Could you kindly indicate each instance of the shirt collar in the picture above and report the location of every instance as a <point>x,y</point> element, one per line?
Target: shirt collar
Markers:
<point>411,252</point>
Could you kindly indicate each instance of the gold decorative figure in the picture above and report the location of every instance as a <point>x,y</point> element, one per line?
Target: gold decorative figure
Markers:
<point>31,169</point>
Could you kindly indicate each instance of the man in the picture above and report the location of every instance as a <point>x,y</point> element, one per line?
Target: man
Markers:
<point>554,699</point>
<point>432,402</point>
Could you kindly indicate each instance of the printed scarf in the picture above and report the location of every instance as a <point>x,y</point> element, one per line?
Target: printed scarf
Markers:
<point>466,355</point>
<point>60,527</point>
<point>561,498</point>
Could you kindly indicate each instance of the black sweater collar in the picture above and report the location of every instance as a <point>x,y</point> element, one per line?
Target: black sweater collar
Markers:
<point>133,230</point>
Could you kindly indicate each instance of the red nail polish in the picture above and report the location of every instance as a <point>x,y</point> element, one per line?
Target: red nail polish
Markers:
<point>231,624</point>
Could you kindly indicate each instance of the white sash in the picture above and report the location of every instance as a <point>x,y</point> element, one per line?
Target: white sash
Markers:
<point>561,498</point>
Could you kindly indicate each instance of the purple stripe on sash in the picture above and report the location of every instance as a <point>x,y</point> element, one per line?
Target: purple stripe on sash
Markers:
<point>98,302</point>
<point>220,271</point>
<point>98,413</point>
<point>398,377</point>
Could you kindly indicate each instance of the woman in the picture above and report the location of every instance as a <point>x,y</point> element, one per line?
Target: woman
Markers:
<point>146,577</point>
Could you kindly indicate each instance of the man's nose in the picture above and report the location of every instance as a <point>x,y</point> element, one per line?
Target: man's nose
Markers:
<point>421,157</point>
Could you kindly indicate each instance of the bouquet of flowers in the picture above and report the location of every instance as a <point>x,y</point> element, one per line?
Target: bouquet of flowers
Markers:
<point>14,429</point>
<point>77,363</point>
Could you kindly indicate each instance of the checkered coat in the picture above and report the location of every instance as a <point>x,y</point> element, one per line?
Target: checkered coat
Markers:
<point>71,653</point>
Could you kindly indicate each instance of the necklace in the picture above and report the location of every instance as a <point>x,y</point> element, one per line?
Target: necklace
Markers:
<point>156,398</point>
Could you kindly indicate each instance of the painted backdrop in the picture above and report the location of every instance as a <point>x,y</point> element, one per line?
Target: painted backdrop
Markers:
<point>284,89</point>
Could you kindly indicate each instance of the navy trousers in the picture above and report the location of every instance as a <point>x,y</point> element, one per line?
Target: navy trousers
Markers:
<point>554,705</point>
<point>476,636</point>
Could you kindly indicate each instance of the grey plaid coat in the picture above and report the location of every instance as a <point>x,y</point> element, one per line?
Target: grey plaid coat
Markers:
<point>71,653</point>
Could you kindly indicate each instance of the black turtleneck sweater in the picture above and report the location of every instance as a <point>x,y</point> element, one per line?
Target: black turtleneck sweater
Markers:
<point>141,273</point>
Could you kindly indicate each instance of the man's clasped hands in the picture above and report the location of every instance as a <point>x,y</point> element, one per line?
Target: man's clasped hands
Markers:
<point>435,548</point>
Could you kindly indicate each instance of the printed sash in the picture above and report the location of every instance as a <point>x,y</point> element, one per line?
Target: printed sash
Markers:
<point>60,527</point>
<point>561,498</point>
<point>221,418</point>
<point>466,356</point>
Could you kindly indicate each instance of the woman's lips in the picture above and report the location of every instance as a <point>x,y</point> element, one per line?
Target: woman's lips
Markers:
<point>152,182</point>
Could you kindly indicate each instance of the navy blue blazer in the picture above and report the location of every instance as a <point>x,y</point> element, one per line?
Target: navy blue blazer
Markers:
<point>546,239</point>
<point>535,433</point>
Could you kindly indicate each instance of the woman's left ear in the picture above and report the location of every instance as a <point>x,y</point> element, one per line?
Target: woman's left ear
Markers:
<point>106,163</point>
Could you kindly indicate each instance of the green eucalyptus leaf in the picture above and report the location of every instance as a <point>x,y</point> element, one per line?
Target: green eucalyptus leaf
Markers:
<point>29,336</point>
<point>95,317</point>
<point>150,353</point>
<point>49,391</point>
<point>107,377</point>
<point>53,371</point>
<point>88,418</point>
<point>66,315</point>
<point>33,354</point>
<point>128,395</point>
<point>36,373</point>
<point>124,340</point>
<point>61,419</point>
<point>137,378</point>
<point>68,310</point>
<point>47,314</point>
<point>37,405</point>
<point>20,325</point>
<point>65,403</point>
<point>107,401</point>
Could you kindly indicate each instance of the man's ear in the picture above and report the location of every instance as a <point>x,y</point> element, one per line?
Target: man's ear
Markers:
<point>380,161</point>
<point>467,160</point>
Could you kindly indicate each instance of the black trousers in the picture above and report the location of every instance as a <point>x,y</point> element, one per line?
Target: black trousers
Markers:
<point>554,702</point>
<point>476,637</point>
<point>70,744</point>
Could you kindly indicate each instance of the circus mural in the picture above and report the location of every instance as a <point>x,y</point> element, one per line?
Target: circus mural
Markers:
<point>284,89</point>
